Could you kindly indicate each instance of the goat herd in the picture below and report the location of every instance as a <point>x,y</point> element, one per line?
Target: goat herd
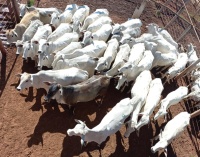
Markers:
<point>87,50</point>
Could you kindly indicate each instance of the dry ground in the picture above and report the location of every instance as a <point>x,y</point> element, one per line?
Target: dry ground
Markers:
<point>29,127</point>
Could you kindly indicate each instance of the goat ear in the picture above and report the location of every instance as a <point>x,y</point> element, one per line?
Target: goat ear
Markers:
<point>125,60</point>
<point>116,77</point>
<point>96,58</point>
<point>81,34</point>
<point>20,45</point>
<point>53,53</point>
<point>59,85</point>
<point>27,8</point>
<point>7,31</point>
<point>18,75</point>
<point>112,23</point>
<point>15,33</point>
<point>130,66</point>
<point>140,114</point>
<point>35,42</point>
<point>47,83</point>
<point>77,121</point>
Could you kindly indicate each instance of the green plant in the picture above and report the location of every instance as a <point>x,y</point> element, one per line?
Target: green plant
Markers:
<point>158,13</point>
<point>30,3</point>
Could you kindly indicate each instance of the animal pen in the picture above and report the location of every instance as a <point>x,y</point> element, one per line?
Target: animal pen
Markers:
<point>181,18</point>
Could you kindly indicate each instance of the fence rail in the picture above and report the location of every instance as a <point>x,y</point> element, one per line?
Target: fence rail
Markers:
<point>9,16</point>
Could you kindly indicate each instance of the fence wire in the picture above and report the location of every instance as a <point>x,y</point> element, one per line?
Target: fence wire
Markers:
<point>8,19</point>
<point>175,19</point>
<point>182,20</point>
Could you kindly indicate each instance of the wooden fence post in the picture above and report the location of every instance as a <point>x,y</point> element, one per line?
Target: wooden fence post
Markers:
<point>195,113</point>
<point>38,2</point>
<point>2,49</point>
<point>16,10</point>
<point>11,15</point>
<point>188,69</point>
<point>138,11</point>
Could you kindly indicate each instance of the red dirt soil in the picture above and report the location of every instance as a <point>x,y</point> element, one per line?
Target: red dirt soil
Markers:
<point>29,127</point>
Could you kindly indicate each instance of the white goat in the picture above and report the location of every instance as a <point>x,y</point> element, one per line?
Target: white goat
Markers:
<point>22,9</point>
<point>65,17</point>
<point>194,95</point>
<point>95,49</point>
<point>124,51</point>
<point>60,30</point>
<point>195,75</point>
<point>81,13</point>
<point>29,52</point>
<point>125,35</point>
<point>31,30</point>
<point>93,17</point>
<point>152,101</point>
<point>59,44</point>
<point>67,50</point>
<point>171,131</point>
<point>152,46</point>
<point>83,62</point>
<point>155,31</point>
<point>129,25</point>
<point>130,71</point>
<point>139,93</point>
<point>136,53</point>
<point>28,35</point>
<point>177,67</point>
<point>16,34</point>
<point>104,62</point>
<point>109,125</point>
<point>163,45</point>
<point>164,59</point>
<point>103,33</point>
<point>31,48</point>
<point>99,23</point>
<point>42,33</point>
<point>195,85</point>
<point>144,37</point>
<point>192,55</point>
<point>172,98</point>
<point>45,59</point>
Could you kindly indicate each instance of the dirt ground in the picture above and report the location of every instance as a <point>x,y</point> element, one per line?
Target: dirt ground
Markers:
<point>31,128</point>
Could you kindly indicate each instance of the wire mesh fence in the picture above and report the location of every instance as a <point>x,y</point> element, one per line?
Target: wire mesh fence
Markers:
<point>8,18</point>
<point>182,20</point>
<point>174,18</point>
